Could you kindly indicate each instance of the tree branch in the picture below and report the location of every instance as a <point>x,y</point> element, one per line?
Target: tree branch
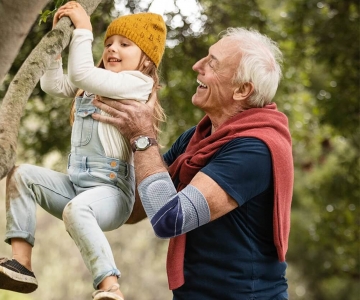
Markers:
<point>24,82</point>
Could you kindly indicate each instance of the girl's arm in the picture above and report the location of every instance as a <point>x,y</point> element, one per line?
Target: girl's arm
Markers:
<point>55,83</point>
<point>82,71</point>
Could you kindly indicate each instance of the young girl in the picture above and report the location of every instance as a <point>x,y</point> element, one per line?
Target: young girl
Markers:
<point>98,193</point>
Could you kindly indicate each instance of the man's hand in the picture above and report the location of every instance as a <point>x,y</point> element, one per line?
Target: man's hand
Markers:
<point>132,118</point>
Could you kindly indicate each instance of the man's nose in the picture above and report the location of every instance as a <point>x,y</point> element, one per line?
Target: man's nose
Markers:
<point>198,65</point>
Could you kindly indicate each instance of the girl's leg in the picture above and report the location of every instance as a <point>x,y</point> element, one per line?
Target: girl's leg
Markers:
<point>102,208</point>
<point>107,288</point>
<point>21,251</point>
<point>27,186</point>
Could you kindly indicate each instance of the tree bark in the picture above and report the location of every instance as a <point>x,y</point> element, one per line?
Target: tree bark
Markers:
<point>16,19</point>
<point>24,82</point>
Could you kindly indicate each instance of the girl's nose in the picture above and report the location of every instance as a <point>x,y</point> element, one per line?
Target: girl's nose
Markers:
<point>111,48</point>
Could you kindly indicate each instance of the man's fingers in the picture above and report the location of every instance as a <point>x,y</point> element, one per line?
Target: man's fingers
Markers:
<point>105,105</point>
<point>152,100</point>
<point>104,119</point>
<point>118,104</point>
<point>117,108</point>
<point>98,103</point>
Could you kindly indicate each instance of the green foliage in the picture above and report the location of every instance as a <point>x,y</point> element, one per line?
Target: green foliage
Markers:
<point>319,93</point>
<point>322,80</point>
<point>49,13</point>
<point>328,33</point>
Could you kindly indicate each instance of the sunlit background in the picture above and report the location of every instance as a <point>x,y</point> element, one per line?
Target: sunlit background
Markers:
<point>320,95</point>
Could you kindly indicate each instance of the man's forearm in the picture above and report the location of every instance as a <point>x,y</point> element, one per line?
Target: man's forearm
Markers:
<point>147,163</point>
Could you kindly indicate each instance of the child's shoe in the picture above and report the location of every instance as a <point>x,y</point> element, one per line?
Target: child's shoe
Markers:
<point>15,277</point>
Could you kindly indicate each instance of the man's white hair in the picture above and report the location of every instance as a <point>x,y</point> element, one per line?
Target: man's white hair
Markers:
<point>260,63</point>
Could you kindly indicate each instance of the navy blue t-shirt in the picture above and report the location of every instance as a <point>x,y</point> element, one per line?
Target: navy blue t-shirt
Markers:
<point>234,257</point>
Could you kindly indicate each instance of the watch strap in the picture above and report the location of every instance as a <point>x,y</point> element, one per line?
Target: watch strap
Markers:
<point>152,142</point>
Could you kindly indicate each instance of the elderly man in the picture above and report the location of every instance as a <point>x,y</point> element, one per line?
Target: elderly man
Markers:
<point>223,191</point>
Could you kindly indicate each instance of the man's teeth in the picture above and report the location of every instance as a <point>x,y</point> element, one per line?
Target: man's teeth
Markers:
<point>201,84</point>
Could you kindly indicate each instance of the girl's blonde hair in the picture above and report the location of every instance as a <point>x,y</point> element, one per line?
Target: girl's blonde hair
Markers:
<point>152,71</point>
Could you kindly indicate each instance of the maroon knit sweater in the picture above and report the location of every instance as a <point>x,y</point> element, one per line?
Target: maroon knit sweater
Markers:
<point>266,124</point>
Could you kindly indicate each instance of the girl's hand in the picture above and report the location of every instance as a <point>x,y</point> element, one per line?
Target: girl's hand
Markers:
<point>76,13</point>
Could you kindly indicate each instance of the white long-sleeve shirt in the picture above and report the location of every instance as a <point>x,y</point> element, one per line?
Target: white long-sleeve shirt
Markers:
<point>82,74</point>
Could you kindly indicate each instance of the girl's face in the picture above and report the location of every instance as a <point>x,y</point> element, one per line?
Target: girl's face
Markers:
<point>121,54</point>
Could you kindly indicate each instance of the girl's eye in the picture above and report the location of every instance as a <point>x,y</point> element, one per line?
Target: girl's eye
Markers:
<point>107,45</point>
<point>124,45</point>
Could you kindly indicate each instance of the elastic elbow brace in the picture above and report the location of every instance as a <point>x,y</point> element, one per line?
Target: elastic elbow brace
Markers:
<point>172,213</point>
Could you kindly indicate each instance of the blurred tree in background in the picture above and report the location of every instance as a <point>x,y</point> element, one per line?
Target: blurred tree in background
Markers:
<point>320,95</point>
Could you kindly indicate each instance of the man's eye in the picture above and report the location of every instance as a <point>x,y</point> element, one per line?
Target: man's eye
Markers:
<point>210,63</point>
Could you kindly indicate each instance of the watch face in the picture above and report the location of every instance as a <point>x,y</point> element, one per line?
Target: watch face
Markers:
<point>142,142</point>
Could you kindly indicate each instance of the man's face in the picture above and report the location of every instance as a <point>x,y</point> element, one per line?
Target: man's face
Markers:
<point>215,72</point>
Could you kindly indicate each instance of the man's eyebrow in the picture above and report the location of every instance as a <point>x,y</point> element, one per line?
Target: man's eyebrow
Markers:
<point>213,57</point>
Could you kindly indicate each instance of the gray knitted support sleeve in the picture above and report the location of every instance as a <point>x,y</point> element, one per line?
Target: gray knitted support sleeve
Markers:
<point>163,205</point>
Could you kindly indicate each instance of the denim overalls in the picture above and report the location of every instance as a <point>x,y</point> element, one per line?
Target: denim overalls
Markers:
<point>87,165</point>
<point>97,195</point>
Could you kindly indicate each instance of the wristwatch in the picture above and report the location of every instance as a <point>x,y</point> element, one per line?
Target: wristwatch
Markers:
<point>142,143</point>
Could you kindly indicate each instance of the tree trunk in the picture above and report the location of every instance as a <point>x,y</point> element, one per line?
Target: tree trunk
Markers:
<point>25,81</point>
<point>16,19</point>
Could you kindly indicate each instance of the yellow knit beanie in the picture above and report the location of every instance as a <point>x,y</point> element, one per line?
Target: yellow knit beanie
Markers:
<point>146,30</point>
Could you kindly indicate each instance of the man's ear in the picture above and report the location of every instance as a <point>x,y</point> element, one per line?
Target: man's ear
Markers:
<point>244,91</point>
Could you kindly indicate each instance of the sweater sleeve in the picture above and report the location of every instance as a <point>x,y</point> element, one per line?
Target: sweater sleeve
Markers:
<point>85,75</point>
<point>55,83</point>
